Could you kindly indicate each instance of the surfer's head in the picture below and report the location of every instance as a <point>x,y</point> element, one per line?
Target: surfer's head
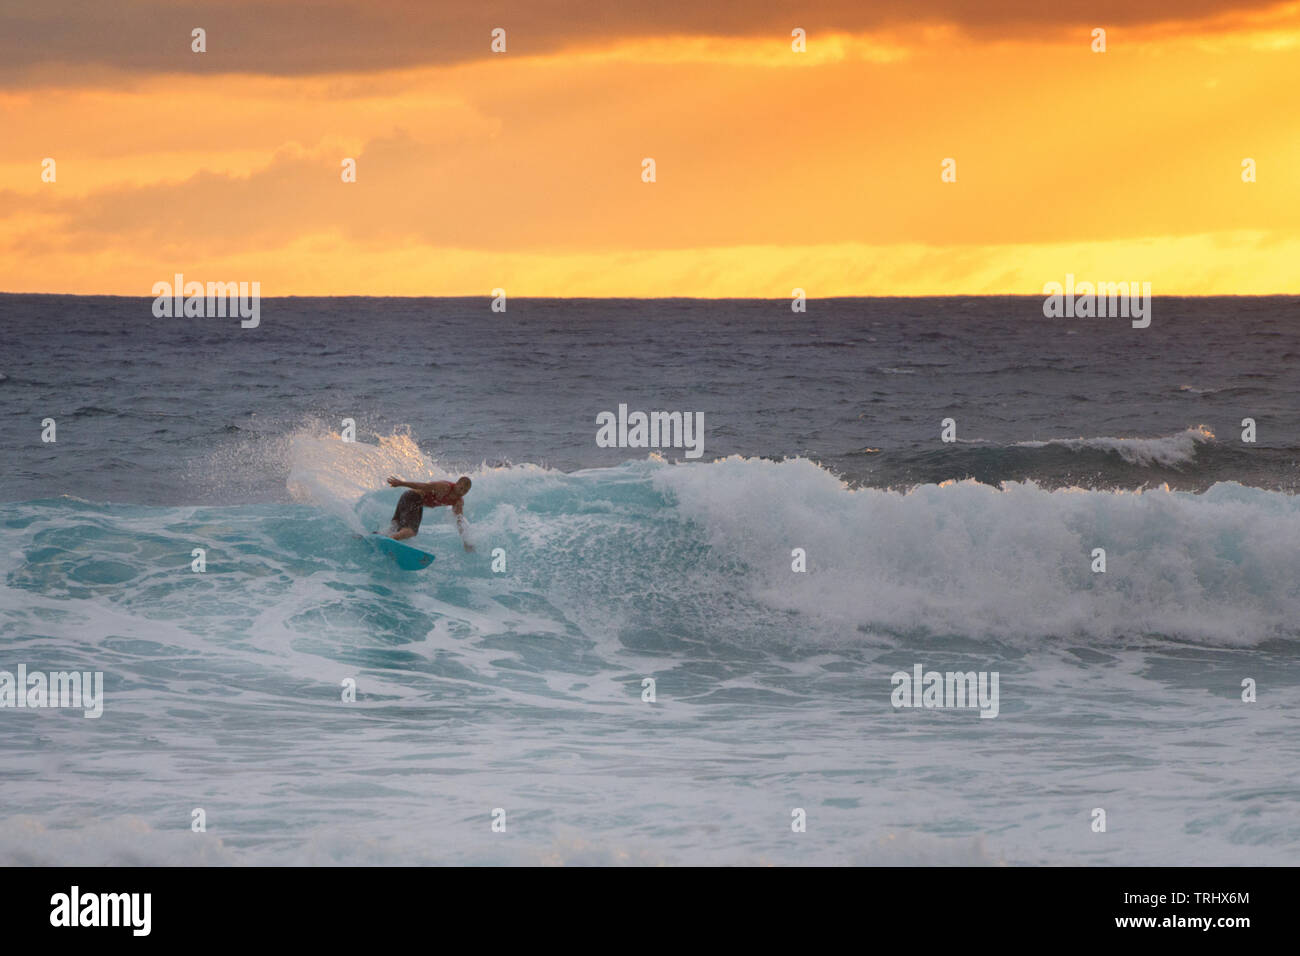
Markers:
<point>462,485</point>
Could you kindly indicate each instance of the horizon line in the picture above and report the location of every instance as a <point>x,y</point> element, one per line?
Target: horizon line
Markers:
<point>678,298</point>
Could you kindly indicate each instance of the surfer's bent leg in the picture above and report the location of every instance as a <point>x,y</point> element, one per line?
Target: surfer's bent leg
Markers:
<point>406,519</point>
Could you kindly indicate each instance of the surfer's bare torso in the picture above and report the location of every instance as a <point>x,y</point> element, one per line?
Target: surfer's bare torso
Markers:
<point>431,494</point>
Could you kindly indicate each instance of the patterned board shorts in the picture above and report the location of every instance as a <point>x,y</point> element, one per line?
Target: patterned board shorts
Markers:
<point>410,511</point>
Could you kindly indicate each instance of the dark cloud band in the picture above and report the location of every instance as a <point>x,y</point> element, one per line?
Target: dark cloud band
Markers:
<point>294,37</point>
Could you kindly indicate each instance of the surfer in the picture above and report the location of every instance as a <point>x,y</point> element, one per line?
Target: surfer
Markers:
<point>435,494</point>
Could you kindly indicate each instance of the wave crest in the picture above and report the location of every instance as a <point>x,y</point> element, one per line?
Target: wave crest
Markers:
<point>1169,451</point>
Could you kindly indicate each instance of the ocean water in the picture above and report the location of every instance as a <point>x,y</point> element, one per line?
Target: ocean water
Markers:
<point>512,677</point>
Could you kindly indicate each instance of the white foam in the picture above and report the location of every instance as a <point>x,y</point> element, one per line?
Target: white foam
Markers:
<point>1168,451</point>
<point>334,475</point>
<point>970,559</point>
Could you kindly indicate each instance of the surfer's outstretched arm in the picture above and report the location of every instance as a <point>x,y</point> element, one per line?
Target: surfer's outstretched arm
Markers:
<point>461,524</point>
<point>420,486</point>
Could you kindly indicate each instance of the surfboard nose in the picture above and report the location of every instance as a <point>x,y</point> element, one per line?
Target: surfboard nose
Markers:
<point>408,558</point>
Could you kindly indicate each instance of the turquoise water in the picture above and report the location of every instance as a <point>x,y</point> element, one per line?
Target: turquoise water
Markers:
<point>512,677</point>
<point>522,689</point>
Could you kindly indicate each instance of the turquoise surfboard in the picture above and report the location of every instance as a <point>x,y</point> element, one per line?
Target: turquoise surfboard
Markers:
<point>407,557</point>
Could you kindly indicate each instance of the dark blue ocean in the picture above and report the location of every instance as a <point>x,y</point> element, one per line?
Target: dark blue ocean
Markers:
<point>513,678</point>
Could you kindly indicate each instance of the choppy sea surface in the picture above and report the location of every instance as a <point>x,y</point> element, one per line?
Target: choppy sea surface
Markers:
<point>512,678</point>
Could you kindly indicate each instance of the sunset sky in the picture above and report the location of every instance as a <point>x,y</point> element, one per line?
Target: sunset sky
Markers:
<point>775,169</point>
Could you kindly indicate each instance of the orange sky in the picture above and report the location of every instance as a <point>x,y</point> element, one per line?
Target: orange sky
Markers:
<point>776,169</point>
